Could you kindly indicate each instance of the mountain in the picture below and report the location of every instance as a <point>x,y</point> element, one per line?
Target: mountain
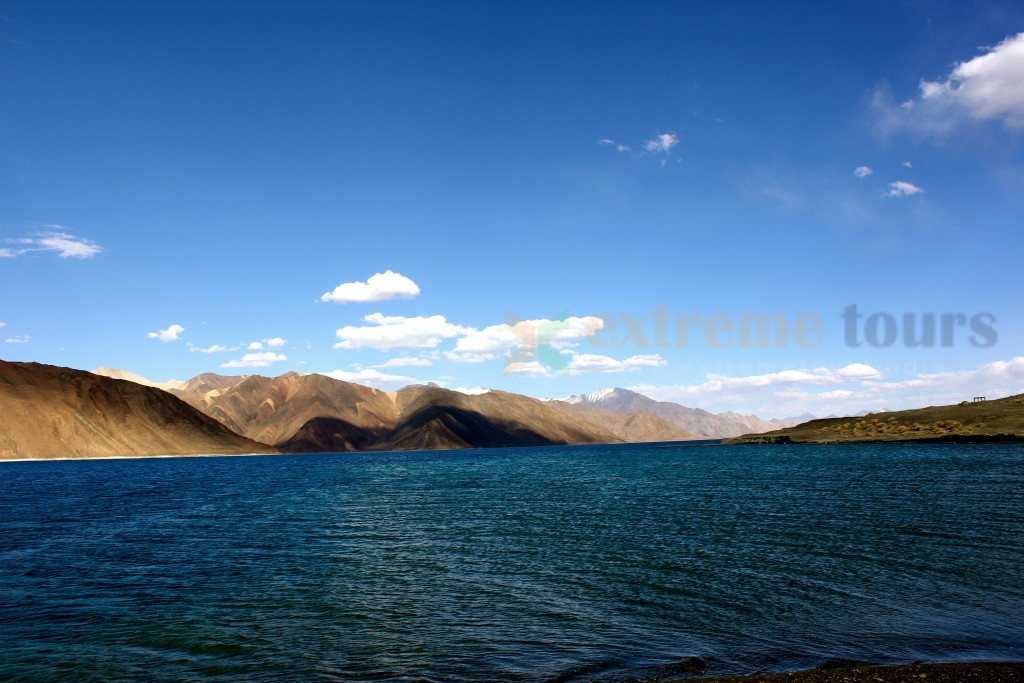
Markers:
<point>630,427</point>
<point>694,420</point>
<point>996,420</point>
<point>55,412</point>
<point>315,413</point>
<point>115,373</point>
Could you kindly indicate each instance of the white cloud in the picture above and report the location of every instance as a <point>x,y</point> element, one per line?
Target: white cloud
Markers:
<point>398,332</point>
<point>988,87</point>
<point>524,336</point>
<point>862,171</point>
<point>901,188</point>
<point>3,324</point>
<point>372,378</point>
<point>528,368</point>
<point>907,164</point>
<point>17,340</point>
<point>589,362</point>
<point>404,362</point>
<point>255,346</point>
<point>611,143</point>
<point>172,333</point>
<point>216,348</point>
<point>664,142</point>
<point>255,360</point>
<point>380,287</point>
<point>843,391</point>
<point>858,371</point>
<point>275,343</point>
<point>55,241</point>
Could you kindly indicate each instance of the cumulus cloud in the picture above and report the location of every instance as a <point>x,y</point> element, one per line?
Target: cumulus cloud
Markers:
<point>862,171</point>
<point>662,143</point>
<point>55,240</point>
<point>987,87</point>
<point>522,337</point>
<point>372,378</point>
<point>901,188</point>
<point>255,346</point>
<point>172,333</point>
<point>255,360</point>
<point>398,332</point>
<point>528,369</point>
<point>380,287</point>
<point>275,343</point>
<point>581,363</point>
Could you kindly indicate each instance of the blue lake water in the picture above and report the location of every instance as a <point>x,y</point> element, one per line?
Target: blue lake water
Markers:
<point>565,564</point>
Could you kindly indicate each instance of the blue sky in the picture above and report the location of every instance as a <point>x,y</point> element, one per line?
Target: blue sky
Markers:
<point>181,184</point>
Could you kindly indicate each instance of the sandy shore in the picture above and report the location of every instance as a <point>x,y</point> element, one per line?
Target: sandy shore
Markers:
<point>909,673</point>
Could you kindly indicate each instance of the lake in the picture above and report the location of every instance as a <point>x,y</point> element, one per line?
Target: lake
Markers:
<point>542,564</point>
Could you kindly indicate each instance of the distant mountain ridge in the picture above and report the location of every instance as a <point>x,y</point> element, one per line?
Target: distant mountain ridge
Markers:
<point>694,420</point>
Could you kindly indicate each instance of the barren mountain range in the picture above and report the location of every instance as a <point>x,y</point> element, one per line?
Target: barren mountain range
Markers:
<point>49,411</point>
<point>694,420</point>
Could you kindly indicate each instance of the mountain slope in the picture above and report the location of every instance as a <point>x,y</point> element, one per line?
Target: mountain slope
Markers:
<point>1000,419</point>
<point>273,410</point>
<point>315,413</point>
<point>693,420</point>
<point>55,412</point>
<point>630,427</point>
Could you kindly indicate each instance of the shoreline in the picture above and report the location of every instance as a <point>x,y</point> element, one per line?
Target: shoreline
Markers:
<point>947,672</point>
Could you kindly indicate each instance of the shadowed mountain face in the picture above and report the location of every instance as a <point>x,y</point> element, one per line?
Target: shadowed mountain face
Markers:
<point>693,420</point>
<point>315,413</point>
<point>55,412</point>
<point>273,410</point>
<point>1000,419</point>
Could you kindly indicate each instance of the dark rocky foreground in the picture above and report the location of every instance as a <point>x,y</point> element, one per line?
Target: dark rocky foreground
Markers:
<point>971,672</point>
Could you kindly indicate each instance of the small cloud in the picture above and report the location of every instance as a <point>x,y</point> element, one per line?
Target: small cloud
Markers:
<point>907,164</point>
<point>23,339</point>
<point>172,333</point>
<point>862,171</point>
<point>57,240</point>
<point>216,348</point>
<point>619,147</point>
<point>405,362</point>
<point>275,343</point>
<point>254,346</point>
<point>3,324</point>
<point>901,188</point>
<point>380,287</point>
<point>664,142</point>
<point>256,360</point>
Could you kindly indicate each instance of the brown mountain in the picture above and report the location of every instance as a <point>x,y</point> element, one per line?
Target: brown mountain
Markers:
<point>630,427</point>
<point>53,412</point>
<point>1000,419</point>
<point>315,413</point>
<point>694,420</point>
